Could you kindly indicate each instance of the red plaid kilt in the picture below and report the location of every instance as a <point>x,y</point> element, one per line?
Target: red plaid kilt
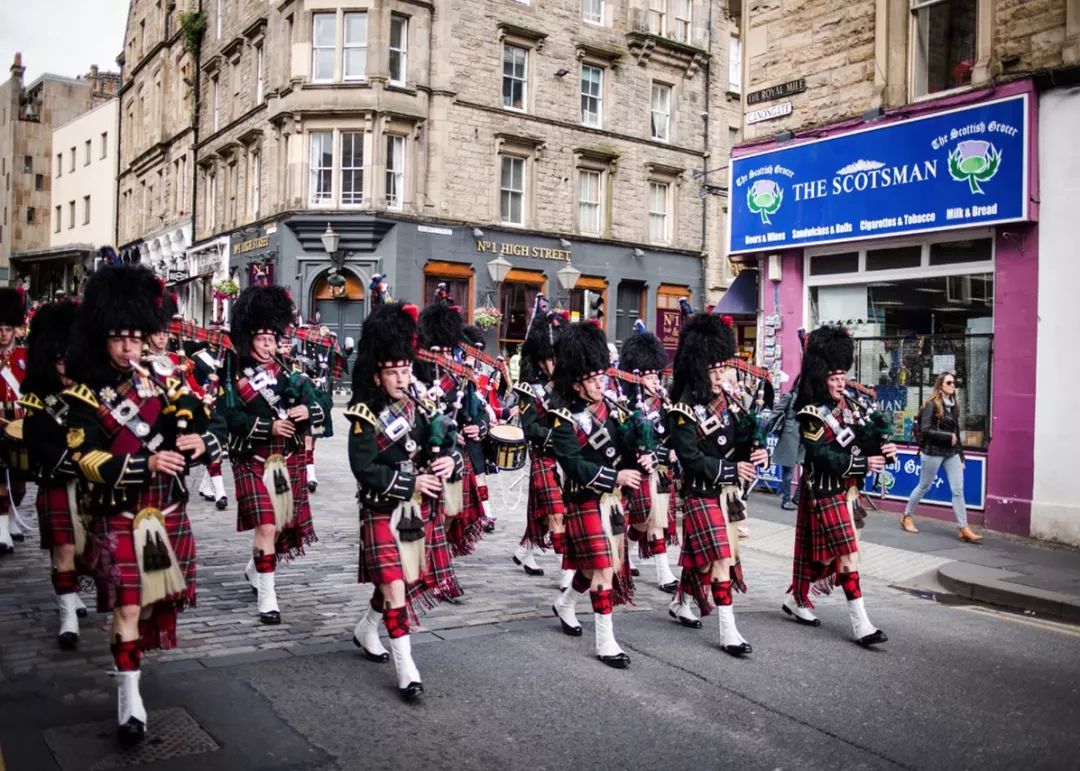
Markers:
<point>705,541</point>
<point>54,516</point>
<point>111,558</point>
<point>824,531</point>
<point>467,528</point>
<point>253,506</point>
<point>587,548</point>
<point>380,562</point>
<point>545,500</point>
<point>639,505</point>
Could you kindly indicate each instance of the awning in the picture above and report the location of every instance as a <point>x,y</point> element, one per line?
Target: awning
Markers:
<point>741,298</point>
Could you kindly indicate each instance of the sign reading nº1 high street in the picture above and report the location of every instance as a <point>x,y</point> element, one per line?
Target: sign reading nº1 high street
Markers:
<point>955,169</point>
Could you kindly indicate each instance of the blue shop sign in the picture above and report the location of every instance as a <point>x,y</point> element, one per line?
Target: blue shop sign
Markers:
<point>953,169</point>
<point>902,477</point>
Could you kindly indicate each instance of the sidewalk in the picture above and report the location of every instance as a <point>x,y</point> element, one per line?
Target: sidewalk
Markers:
<point>1013,572</point>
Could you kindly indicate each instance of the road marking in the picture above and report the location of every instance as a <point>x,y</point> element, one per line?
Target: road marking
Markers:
<point>1039,623</point>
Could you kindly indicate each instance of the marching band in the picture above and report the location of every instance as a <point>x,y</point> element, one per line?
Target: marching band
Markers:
<point>116,399</point>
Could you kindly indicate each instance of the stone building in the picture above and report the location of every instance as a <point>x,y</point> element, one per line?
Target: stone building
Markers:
<point>908,169</point>
<point>28,115</point>
<point>433,141</point>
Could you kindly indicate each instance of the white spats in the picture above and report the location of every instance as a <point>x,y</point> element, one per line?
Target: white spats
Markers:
<point>729,633</point>
<point>566,608</point>
<point>217,485</point>
<point>664,576</point>
<point>6,544</point>
<point>206,488</point>
<point>130,712</point>
<point>401,652</point>
<point>802,615</point>
<point>525,556</point>
<point>68,607</point>
<point>606,647</point>
<point>366,634</point>
<point>267,593</point>
<point>682,612</point>
<point>865,632</point>
<point>250,575</point>
<point>311,473</point>
<point>566,578</point>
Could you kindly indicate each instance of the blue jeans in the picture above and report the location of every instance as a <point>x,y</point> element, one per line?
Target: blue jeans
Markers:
<point>954,473</point>
<point>785,485</point>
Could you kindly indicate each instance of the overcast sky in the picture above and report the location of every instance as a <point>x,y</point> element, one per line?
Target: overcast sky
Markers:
<point>61,36</point>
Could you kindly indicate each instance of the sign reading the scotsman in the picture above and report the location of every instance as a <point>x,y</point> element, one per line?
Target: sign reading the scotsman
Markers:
<point>954,169</point>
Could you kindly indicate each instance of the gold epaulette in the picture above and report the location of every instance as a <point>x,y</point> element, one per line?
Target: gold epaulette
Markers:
<point>814,428</point>
<point>682,408</point>
<point>362,412</point>
<point>83,393</point>
<point>31,402</point>
<point>563,413</point>
<point>525,390</point>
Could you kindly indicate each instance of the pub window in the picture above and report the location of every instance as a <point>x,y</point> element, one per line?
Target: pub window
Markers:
<point>942,44</point>
<point>458,278</point>
<point>512,190</point>
<point>588,300</point>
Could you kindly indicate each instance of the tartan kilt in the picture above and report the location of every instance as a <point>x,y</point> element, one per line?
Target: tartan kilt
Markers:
<point>112,560</point>
<point>587,547</point>
<point>253,506</point>
<point>467,528</point>
<point>380,562</point>
<point>54,516</point>
<point>639,502</point>
<point>824,531</point>
<point>639,509</point>
<point>545,500</point>
<point>705,541</point>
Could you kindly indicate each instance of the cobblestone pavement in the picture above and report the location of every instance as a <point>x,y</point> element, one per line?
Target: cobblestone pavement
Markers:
<point>319,597</point>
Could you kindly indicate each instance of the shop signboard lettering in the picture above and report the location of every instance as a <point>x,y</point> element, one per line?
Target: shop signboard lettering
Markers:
<point>790,88</point>
<point>668,323</point>
<point>510,249</point>
<point>902,477</point>
<point>773,111</point>
<point>251,245</point>
<point>955,169</point>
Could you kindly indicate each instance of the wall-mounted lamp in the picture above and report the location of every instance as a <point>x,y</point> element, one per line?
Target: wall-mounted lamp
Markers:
<point>562,72</point>
<point>564,243</point>
<point>477,233</point>
<point>638,253</point>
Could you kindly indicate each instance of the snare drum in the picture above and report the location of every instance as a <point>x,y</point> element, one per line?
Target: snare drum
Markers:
<point>506,447</point>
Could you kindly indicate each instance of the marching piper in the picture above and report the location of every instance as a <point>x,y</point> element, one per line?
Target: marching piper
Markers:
<point>269,410</point>
<point>12,373</point>
<point>835,463</point>
<point>401,451</point>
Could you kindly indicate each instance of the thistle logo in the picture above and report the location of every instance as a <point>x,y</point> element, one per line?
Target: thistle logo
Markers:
<point>764,197</point>
<point>974,161</point>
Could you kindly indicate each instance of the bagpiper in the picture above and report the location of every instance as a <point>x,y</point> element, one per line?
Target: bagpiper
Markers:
<point>401,451</point>
<point>649,509</point>
<point>587,438</point>
<point>703,430</point>
<point>44,429</point>
<point>269,409</point>
<point>132,431</point>
<point>834,466</point>
<point>12,373</point>
<point>207,369</point>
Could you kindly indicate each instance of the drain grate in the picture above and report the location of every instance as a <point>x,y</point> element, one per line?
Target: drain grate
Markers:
<point>93,746</point>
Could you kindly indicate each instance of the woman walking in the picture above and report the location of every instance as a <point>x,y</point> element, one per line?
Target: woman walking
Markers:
<point>939,423</point>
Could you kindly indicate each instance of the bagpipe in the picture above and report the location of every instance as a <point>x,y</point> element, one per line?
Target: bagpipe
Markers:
<point>215,338</point>
<point>873,427</point>
<point>313,337</point>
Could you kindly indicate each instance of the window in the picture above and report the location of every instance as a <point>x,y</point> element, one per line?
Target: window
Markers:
<point>943,44</point>
<point>352,168</point>
<point>395,171</point>
<point>680,27</point>
<point>658,17</point>
<point>211,201</point>
<point>515,62</point>
<point>86,210</point>
<point>28,164</point>
<point>59,164</point>
<point>71,215</point>
<point>399,48</point>
<point>86,159</point>
<point>321,165</point>
<point>215,95</point>
<point>589,201</point>
<point>71,163</point>
<point>735,66</point>
<point>30,212</point>
<point>258,74</point>
<point>220,13</point>
<point>592,11</point>
<point>323,43</point>
<point>39,182</point>
<point>659,207</point>
<point>104,144</point>
<point>256,184</point>
<point>354,55</point>
<point>57,216</point>
<point>592,95</point>
<point>661,112</point>
<point>512,191</point>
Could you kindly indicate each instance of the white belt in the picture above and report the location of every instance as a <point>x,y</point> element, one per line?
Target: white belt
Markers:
<point>168,511</point>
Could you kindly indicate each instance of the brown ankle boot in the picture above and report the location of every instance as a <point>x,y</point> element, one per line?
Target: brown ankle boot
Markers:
<point>969,535</point>
<point>907,522</point>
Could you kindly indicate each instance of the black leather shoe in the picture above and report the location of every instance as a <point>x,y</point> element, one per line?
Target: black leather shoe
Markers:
<point>312,487</point>
<point>573,631</point>
<point>689,623</point>
<point>412,691</point>
<point>669,588</point>
<point>618,661</point>
<point>18,537</point>
<point>635,572</point>
<point>528,570</point>
<point>81,613</point>
<point>803,621</point>
<point>207,497</point>
<point>131,733</point>
<point>876,638</point>
<point>272,618</point>
<point>68,641</point>
<point>489,526</point>
<point>380,658</point>
<point>738,650</point>
<point>222,503</point>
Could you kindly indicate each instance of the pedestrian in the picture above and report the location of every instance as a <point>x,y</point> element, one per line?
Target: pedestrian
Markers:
<point>704,433</point>
<point>269,409</point>
<point>401,452</point>
<point>826,550</point>
<point>587,436</point>
<point>789,450</point>
<point>940,445</point>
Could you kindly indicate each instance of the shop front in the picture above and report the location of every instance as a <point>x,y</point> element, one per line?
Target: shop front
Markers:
<point>919,235</point>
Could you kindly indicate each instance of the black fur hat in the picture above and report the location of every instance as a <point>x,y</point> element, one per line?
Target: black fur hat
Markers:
<point>440,326</point>
<point>387,338</point>
<point>544,331</point>
<point>829,349</point>
<point>643,352</point>
<point>580,352</point>
<point>259,310</point>
<point>704,341</point>
<point>473,335</point>
<point>12,307</point>
<point>117,298</point>
<point>46,344</point>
